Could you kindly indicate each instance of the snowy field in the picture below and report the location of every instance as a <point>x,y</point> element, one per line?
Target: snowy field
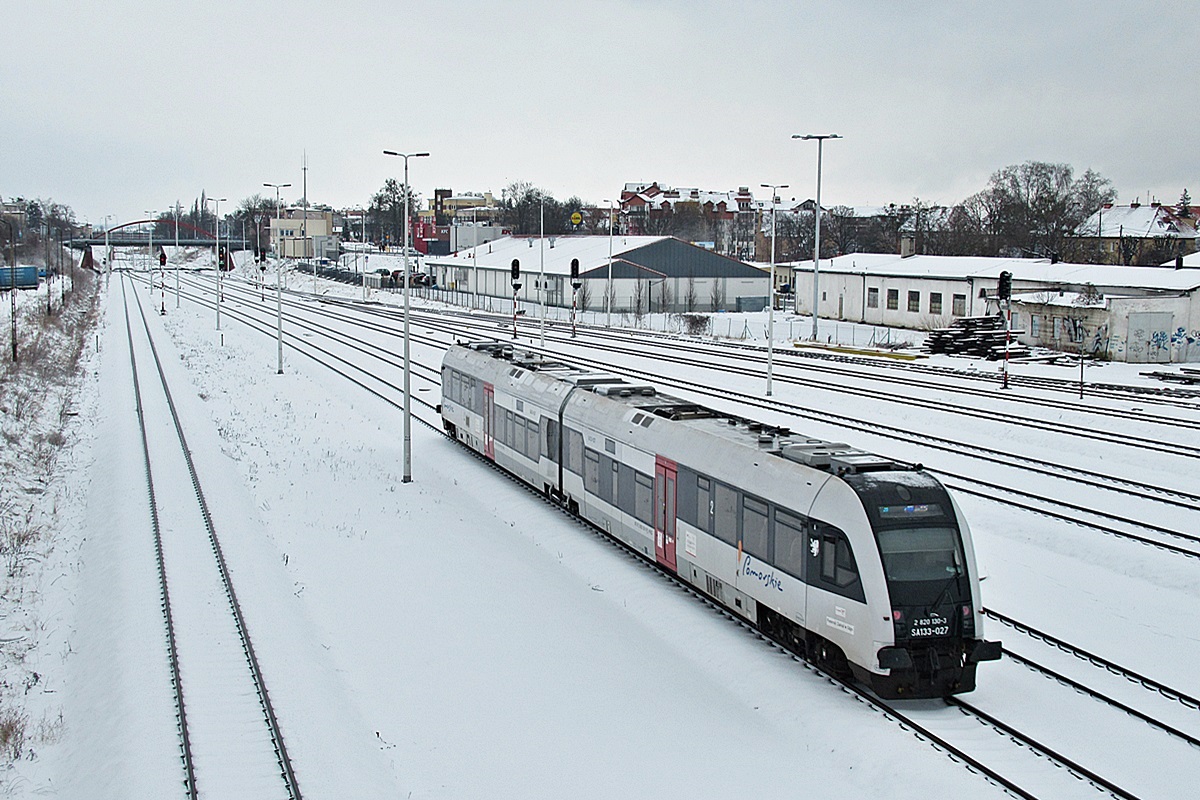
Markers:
<point>455,637</point>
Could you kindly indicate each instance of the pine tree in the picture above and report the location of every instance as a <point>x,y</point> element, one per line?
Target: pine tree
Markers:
<point>1184,209</point>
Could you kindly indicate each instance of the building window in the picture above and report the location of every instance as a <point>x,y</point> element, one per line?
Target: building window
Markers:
<point>935,302</point>
<point>1035,326</point>
<point>959,307</point>
<point>893,299</point>
<point>914,302</point>
<point>872,298</point>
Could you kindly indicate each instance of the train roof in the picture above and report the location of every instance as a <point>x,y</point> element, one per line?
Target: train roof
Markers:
<point>834,457</point>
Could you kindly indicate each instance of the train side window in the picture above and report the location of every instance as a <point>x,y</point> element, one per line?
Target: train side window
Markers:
<point>624,491</point>
<point>575,451</point>
<point>531,440</point>
<point>754,528</point>
<point>790,548</point>
<point>686,496</point>
<point>591,472</point>
<point>644,499</point>
<point>607,475</point>
<point>725,520</point>
<point>704,504</point>
<point>518,431</point>
<point>549,440</point>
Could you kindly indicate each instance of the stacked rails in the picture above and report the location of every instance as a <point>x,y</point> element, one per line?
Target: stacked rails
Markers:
<point>975,336</point>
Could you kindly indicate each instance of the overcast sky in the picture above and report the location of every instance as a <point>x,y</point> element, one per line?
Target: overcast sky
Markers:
<point>121,106</point>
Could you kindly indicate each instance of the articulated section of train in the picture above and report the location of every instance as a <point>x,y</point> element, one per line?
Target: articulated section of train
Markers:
<point>864,564</point>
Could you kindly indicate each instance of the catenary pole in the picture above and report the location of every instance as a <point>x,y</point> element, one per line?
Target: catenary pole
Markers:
<point>820,137</point>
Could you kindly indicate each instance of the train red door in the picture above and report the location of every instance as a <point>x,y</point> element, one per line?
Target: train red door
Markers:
<point>489,431</point>
<point>665,479</point>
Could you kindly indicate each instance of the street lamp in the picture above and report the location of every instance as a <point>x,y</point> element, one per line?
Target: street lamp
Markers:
<point>407,476</point>
<point>278,289</point>
<point>608,291</point>
<point>217,224</point>
<point>820,137</point>
<point>774,187</point>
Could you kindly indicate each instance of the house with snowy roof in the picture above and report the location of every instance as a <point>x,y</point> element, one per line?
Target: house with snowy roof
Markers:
<point>648,273</point>
<point>1138,233</point>
<point>1138,314</point>
<point>646,208</point>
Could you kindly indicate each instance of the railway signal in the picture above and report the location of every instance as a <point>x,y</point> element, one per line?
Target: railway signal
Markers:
<point>1004,293</point>
<point>516,284</point>
<point>575,284</point>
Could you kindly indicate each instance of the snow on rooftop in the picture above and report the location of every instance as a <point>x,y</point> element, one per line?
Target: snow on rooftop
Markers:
<point>1139,221</point>
<point>592,252</point>
<point>1023,269</point>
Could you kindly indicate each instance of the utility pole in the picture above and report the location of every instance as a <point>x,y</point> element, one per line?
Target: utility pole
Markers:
<point>771,294</point>
<point>407,476</point>
<point>278,285</point>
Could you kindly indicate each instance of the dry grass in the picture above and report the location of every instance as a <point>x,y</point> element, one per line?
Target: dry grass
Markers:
<point>14,726</point>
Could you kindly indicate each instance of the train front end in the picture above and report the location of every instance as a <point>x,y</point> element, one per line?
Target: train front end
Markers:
<point>933,586</point>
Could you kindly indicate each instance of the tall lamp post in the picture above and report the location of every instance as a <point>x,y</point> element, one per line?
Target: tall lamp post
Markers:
<point>278,287</point>
<point>407,477</point>
<point>220,267</point>
<point>820,137</point>
<point>774,187</point>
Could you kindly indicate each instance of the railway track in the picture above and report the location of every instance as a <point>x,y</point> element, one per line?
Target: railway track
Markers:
<point>231,744</point>
<point>1023,780</point>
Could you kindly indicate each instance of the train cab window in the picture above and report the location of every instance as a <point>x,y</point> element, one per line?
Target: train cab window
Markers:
<point>725,518</point>
<point>754,528</point>
<point>920,554</point>
<point>790,546</point>
<point>591,472</point>
<point>835,565</point>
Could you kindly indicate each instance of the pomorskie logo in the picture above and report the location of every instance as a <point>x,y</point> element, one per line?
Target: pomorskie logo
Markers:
<point>769,579</point>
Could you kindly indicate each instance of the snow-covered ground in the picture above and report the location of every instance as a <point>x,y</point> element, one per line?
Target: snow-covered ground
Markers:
<point>454,637</point>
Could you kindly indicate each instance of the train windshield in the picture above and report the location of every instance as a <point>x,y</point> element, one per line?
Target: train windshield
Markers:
<point>920,554</point>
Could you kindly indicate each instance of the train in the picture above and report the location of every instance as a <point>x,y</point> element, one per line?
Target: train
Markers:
<point>862,564</point>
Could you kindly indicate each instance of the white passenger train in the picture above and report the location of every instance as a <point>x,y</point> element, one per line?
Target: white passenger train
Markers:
<point>865,564</point>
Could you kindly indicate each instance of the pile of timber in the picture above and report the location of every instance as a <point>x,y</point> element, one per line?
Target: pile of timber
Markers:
<point>975,336</point>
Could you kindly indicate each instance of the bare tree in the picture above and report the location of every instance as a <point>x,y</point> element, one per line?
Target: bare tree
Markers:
<point>665,296</point>
<point>689,295</point>
<point>717,295</point>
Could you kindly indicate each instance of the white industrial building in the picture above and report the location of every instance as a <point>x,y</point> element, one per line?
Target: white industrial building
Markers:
<point>1139,314</point>
<point>653,273</point>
